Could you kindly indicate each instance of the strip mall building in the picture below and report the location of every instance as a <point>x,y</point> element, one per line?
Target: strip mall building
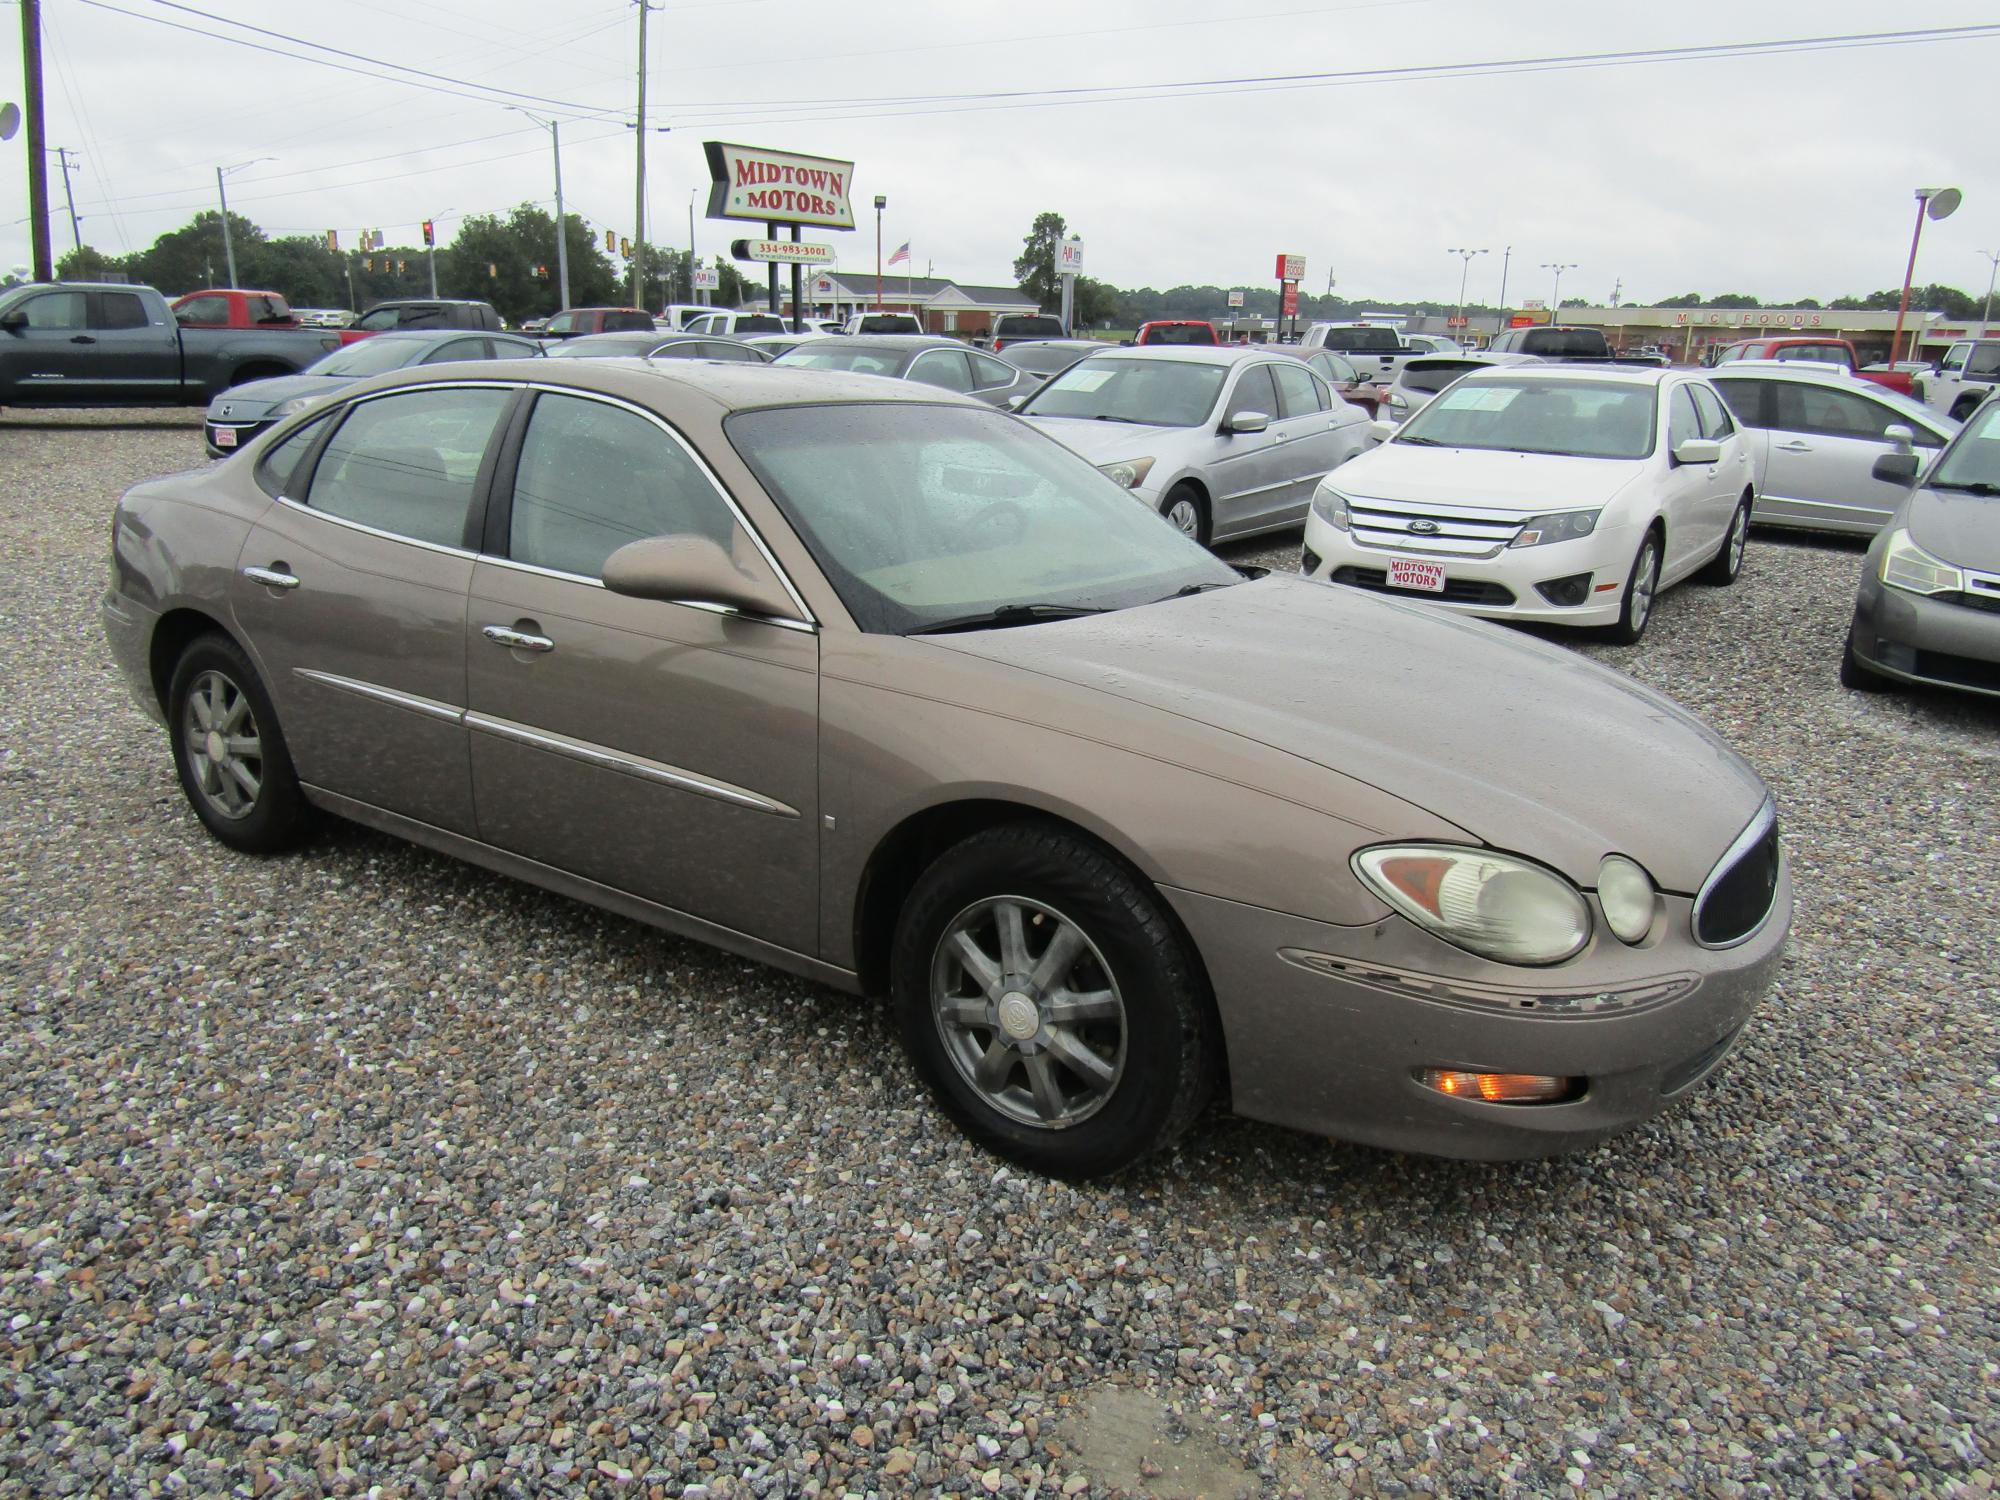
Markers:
<point>1685,332</point>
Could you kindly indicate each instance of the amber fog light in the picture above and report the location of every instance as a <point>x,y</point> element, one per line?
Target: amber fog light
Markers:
<point>1500,1088</point>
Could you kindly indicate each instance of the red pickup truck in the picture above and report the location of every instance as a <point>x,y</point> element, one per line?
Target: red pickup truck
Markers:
<point>1822,351</point>
<point>226,307</point>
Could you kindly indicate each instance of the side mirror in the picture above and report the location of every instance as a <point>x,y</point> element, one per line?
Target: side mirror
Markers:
<point>1699,451</point>
<point>1014,402</point>
<point>1896,468</point>
<point>1903,438</point>
<point>1382,430</point>
<point>694,570</point>
<point>15,320</point>
<point>1247,421</point>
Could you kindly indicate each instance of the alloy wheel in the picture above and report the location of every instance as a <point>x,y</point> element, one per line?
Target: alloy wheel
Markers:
<point>1029,1012</point>
<point>1645,575</point>
<point>224,749</point>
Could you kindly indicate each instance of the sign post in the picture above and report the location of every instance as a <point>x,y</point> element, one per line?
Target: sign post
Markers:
<point>1291,271</point>
<point>1069,260</point>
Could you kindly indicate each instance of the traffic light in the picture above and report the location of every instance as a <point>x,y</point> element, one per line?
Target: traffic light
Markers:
<point>430,233</point>
<point>368,264</point>
<point>402,266</point>
<point>625,247</point>
<point>610,241</point>
<point>492,269</point>
<point>541,273</point>
<point>333,239</point>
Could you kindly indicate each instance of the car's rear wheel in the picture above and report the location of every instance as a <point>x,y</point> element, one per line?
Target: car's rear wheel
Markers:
<point>1635,606</point>
<point>1856,674</point>
<point>1186,508</point>
<point>1727,564</point>
<point>230,754</point>
<point>1051,1005</point>
<point>1963,409</point>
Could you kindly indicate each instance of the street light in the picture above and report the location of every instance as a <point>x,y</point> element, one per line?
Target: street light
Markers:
<point>880,203</point>
<point>562,225</point>
<point>1986,314</point>
<point>1556,297</point>
<point>1932,203</point>
<point>228,249</point>
<point>1464,267</point>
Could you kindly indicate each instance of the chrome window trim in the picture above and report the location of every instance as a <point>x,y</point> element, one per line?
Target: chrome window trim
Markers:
<point>630,765</point>
<point>375,531</point>
<point>1766,817</point>
<point>806,615</point>
<point>598,583</point>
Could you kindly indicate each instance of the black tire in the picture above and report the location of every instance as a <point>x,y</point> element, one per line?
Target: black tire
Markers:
<point>1962,411</point>
<point>1185,500</point>
<point>1727,564</point>
<point>273,817</point>
<point>1635,607</point>
<point>1857,675</point>
<point>1163,1049</point>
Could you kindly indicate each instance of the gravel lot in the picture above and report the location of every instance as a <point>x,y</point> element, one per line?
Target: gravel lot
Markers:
<point>362,1171</point>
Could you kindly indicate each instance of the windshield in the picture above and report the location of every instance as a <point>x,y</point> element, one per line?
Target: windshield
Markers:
<point>597,345</point>
<point>920,514</point>
<point>1974,456</point>
<point>1029,326</point>
<point>1041,359</point>
<point>1580,418</point>
<point>373,357</point>
<point>1178,333</point>
<point>1433,375</point>
<point>1155,392</point>
<point>832,356</point>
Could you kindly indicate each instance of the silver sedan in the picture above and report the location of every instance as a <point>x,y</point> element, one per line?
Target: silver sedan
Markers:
<point>1224,442</point>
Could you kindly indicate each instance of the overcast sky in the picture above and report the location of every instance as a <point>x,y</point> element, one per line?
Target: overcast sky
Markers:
<point>1781,175</point>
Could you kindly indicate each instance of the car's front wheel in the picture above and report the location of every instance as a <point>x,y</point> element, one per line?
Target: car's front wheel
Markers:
<point>1054,1009</point>
<point>1635,606</point>
<point>233,764</point>
<point>1185,507</point>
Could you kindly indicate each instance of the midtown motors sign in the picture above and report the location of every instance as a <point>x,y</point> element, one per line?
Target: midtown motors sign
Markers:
<point>777,187</point>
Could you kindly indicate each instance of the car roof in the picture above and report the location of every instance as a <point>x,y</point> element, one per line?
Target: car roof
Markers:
<point>1190,354</point>
<point>1623,374</point>
<point>1790,369</point>
<point>684,386</point>
<point>897,342</point>
<point>439,335</point>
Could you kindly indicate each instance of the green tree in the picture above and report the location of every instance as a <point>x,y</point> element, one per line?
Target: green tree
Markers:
<point>86,264</point>
<point>1097,303</point>
<point>191,257</point>
<point>1733,299</point>
<point>1685,299</point>
<point>1035,267</point>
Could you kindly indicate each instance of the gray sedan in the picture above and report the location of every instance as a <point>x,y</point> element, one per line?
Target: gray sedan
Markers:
<point>944,363</point>
<point>653,345</point>
<point>240,413</point>
<point>873,683</point>
<point>1224,442</point>
<point>1928,609</point>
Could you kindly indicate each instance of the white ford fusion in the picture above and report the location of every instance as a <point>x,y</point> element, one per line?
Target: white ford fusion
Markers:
<point>1566,495</point>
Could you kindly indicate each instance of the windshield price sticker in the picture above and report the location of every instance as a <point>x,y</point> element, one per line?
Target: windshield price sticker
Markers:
<point>1083,380</point>
<point>1492,399</point>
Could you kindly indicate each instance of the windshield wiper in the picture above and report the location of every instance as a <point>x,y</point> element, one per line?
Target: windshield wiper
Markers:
<point>1006,615</point>
<point>1189,590</point>
<point>1969,486</point>
<point>1420,441</point>
<point>1107,417</point>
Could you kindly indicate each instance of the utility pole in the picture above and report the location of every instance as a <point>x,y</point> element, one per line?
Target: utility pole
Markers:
<point>228,249</point>
<point>1555,296</point>
<point>1464,269</point>
<point>1986,316</point>
<point>63,154</point>
<point>639,176</point>
<point>1506,259</point>
<point>38,162</point>
<point>691,193</point>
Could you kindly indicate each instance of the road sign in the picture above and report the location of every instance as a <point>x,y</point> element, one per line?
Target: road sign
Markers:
<point>1291,302</point>
<point>787,252</point>
<point>1291,268</point>
<point>778,187</point>
<point>1069,257</point>
<point>1455,322</point>
<point>1235,299</point>
<point>707,279</point>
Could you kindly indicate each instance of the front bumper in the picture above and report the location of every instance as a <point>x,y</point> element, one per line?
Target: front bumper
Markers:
<point>1926,639</point>
<point>1471,583</point>
<point>128,631</point>
<point>1327,1026</point>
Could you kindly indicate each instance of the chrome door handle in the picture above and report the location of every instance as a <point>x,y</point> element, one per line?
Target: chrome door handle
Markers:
<point>1795,446</point>
<point>271,578</point>
<point>518,640</point>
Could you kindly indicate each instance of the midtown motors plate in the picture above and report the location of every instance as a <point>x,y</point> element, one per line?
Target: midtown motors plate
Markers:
<point>1407,573</point>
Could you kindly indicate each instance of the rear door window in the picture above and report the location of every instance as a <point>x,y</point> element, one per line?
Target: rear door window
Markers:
<point>119,310</point>
<point>281,459</point>
<point>1296,394</point>
<point>944,368</point>
<point>988,372</point>
<point>203,312</point>
<point>407,464</point>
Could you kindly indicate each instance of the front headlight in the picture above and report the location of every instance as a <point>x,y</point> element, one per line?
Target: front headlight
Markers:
<point>1905,565</point>
<point>297,403</point>
<point>1496,905</point>
<point>1130,472</point>
<point>1625,891</point>
<point>1557,526</point>
<point>1330,506</point>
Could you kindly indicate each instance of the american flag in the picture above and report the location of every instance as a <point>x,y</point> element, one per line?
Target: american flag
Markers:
<point>902,253</point>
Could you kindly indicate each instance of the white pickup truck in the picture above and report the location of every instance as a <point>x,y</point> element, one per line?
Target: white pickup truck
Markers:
<point>1963,378</point>
<point>1377,352</point>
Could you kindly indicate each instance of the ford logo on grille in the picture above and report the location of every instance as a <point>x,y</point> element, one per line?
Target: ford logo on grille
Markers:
<point>1424,528</point>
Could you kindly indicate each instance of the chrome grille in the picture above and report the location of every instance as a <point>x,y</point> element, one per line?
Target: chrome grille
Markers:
<point>1434,530</point>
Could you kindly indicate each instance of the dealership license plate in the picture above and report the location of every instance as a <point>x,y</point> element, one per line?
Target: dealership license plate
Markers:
<point>1404,573</point>
<point>225,437</point>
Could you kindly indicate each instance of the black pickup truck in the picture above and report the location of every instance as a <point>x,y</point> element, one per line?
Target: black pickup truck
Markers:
<point>91,344</point>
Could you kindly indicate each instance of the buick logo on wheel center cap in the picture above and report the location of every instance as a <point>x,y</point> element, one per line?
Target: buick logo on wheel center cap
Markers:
<point>1020,1017</point>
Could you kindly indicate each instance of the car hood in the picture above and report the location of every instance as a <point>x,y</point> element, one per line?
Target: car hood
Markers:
<point>1525,745</point>
<point>1528,482</point>
<point>256,398</point>
<point>1956,527</point>
<point>1109,442</point>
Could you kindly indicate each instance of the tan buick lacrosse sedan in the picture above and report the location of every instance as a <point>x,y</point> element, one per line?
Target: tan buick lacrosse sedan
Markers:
<point>879,685</point>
